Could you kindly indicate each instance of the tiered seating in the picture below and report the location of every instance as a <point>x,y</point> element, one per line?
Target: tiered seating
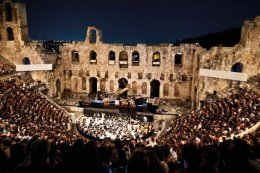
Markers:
<point>35,137</point>
<point>6,69</point>
<point>26,112</point>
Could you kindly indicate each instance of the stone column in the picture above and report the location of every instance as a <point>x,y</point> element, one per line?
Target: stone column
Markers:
<point>148,89</point>
<point>161,90</point>
<point>98,84</point>
<point>87,85</point>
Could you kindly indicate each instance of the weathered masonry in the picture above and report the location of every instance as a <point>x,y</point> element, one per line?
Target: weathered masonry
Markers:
<point>163,70</point>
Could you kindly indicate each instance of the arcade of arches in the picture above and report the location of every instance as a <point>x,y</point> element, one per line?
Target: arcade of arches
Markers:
<point>105,85</point>
<point>155,88</point>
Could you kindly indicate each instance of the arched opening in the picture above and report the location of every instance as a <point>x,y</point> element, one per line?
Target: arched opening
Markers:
<point>135,58</point>
<point>144,88</point>
<point>134,87</point>
<point>58,87</point>
<point>93,36</point>
<point>106,74</point>
<point>93,57</point>
<point>237,67</point>
<point>177,90</point>
<point>111,87</point>
<point>178,59</point>
<point>162,77</point>
<point>8,12</point>
<point>155,88</point>
<point>10,34</point>
<point>0,37</point>
<point>156,59</point>
<point>26,61</point>
<point>122,83</point>
<point>111,57</point>
<point>75,83</point>
<point>84,86</point>
<point>166,90</point>
<point>123,59</point>
<point>75,56</point>
<point>93,85</point>
<point>103,85</point>
<point>184,77</point>
<point>129,75</point>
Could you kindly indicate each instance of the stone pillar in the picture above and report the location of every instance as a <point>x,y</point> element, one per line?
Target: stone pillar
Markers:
<point>107,86</point>
<point>87,85</point>
<point>80,84</point>
<point>66,80</point>
<point>148,89</point>
<point>161,90</point>
<point>98,84</point>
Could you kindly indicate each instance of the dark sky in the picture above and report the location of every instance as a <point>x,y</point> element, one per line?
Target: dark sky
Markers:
<point>136,21</point>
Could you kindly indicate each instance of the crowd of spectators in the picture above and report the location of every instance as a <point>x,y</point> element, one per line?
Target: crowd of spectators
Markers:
<point>37,154</point>
<point>26,112</point>
<point>6,69</point>
<point>216,121</point>
<point>222,118</point>
<point>114,127</point>
<point>36,136</point>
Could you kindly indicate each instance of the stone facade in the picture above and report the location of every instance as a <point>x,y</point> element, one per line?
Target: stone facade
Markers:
<point>107,64</point>
<point>243,57</point>
<point>164,70</point>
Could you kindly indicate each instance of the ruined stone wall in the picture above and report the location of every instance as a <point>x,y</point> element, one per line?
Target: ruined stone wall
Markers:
<point>177,80</point>
<point>13,17</point>
<point>166,73</point>
<point>247,52</point>
<point>14,42</point>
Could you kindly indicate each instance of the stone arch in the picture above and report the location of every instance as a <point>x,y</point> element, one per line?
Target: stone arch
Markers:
<point>10,34</point>
<point>162,77</point>
<point>93,57</point>
<point>166,90</point>
<point>178,59</point>
<point>103,85</point>
<point>111,57</point>
<point>75,84</point>
<point>111,86</point>
<point>184,77</point>
<point>58,87</point>
<point>94,35</point>
<point>92,85</point>
<point>237,67</point>
<point>26,61</point>
<point>84,86</point>
<point>135,58</point>
<point>155,88</point>
<point>123,59</point>
<point>144,88</point>
<point>156,59</point>
<point>74,56</point>
<point>134,87</point>
<point>8,12</point>
<point>122,83</point>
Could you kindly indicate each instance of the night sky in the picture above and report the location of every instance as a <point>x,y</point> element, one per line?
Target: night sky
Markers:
<point>136,21</point>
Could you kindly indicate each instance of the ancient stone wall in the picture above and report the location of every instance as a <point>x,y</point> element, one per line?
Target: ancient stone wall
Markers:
<point>164,70</point>
<point>13,21</point>
<point>135,72</point>
<point>246,55</point>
